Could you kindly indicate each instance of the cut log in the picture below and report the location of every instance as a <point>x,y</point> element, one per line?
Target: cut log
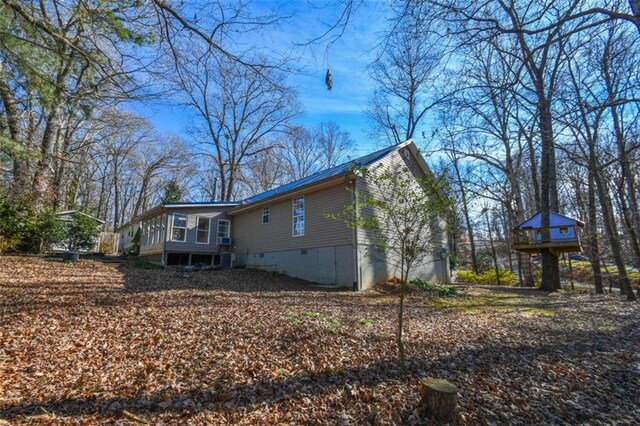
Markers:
<point>439,399</point>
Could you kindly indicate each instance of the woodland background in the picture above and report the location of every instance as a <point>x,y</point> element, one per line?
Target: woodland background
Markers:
<point>522,106</point>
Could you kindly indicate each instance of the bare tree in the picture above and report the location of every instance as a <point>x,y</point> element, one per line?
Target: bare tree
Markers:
<point>237,110</point>
<point>407,75</point>
<point>334,144</point>
<point>301,153</point>
<point>265,170</point>
<point>593,102</point>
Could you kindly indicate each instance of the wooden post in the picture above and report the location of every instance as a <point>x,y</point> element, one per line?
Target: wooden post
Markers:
<point>570,271</point>
<point>439,398</point>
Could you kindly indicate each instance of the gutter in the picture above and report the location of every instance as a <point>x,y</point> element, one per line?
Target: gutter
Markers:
<point>166,235</point>
<point>356,263</point>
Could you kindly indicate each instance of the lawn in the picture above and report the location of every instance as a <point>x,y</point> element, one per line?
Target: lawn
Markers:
<point>102,343</point>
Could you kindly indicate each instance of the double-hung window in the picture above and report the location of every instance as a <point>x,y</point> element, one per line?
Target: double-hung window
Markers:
<point>179,227</point>
<point>203,228</point>
<point>224,229</point>
<point>298,216</point>
<point>265,215</point>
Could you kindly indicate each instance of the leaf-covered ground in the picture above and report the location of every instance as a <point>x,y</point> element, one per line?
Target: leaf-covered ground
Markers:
<point>103,343</point>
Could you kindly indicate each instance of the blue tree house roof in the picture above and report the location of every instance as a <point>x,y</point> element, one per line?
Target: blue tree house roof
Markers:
<point>555,220</point>
<point>561,236</point>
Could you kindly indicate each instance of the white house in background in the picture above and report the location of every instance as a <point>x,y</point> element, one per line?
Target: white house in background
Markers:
<point>287,229</point>
<point>67,217</point>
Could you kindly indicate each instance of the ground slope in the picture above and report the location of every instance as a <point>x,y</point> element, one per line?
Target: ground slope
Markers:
<point>103,343</point>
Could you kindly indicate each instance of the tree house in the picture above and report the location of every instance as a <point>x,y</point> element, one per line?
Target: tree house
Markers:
<point>564,234</point>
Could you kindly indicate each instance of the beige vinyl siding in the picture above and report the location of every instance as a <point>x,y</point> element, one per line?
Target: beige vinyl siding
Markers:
<point>381,267</point>
<point>395,161</point>
<point>190,245</point>
<point>253,236</point>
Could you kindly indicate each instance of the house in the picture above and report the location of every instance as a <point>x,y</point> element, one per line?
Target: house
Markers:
<point>564,234</point>
<point>127,233</point>
<point>287,229</point>
<point>175,234</point>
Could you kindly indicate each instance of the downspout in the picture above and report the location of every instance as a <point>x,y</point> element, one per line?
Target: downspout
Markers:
<point>164,239</point>
<point>356,266</point>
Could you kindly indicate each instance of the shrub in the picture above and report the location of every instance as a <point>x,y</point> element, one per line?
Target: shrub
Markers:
<point>467,277</point>
<point>441,290</point>
<point>143,264</point>
<point>455,261</point>
<point>135,244</point>
<point>487,278</point>
<point>82,232</point>
<point>24,230</point>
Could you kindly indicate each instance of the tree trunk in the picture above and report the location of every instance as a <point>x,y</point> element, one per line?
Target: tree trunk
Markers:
<point>20,170</point>
<point>609,224</point>
<point>43,195</point>
<point>592,230</point>
<point>549,193</point>
<point>524,259</point>
<point>116,195</point>
<point>143,191</point>
<point>467,218</point>
<point>404,276</point>
<point>439,399</point>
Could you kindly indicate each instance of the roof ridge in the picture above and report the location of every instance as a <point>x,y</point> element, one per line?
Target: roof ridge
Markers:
<point>326,173</point>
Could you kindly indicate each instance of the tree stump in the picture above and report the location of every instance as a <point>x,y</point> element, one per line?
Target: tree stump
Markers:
<point>439,398</point>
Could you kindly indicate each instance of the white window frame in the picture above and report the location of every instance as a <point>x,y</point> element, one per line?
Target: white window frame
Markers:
<point>293,216</point>
<point>218,229</point>
<point>267,215</point>
<point>198,229</point>
<point>158,225</point>
<point>185,227</point>
<point>152,231</point>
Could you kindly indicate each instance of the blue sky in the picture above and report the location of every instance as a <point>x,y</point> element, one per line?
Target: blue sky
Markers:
<point>347,58</point>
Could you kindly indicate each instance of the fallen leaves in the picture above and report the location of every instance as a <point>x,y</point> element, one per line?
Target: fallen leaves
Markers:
<point>93,343</point>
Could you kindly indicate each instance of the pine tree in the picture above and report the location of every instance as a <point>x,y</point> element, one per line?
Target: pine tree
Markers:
<point>173,193</point>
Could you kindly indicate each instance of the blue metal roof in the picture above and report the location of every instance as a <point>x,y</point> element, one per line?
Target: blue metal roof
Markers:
<point>333,172</point>
<point>202,203</point>
<point>555,219</point>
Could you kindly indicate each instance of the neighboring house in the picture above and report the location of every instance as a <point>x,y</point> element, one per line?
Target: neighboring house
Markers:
<point>126,234</point>
<point>67,217</point>
<point>287,229</point>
